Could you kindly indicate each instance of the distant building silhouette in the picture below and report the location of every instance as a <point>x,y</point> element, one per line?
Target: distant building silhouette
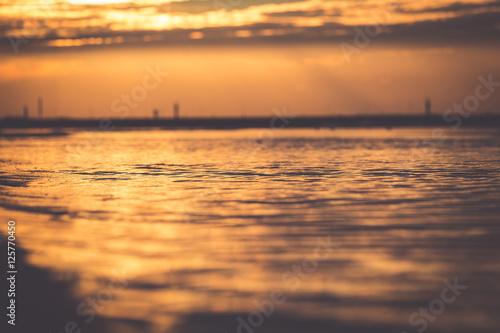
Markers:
<point>40,107</point>
<point>156,114</point>
<point>427,107</point>
<point>176,110</point>
<point>25,112</point>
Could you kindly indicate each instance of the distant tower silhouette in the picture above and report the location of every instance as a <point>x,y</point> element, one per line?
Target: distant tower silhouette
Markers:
<point>25,112</point>
<point>427,107</point>
<point>176,110</point>
<point>156,114</point>
<point>40,107</point>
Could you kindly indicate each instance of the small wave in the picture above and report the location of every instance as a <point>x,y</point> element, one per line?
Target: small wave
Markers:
<point>32,135</point>
<point>50,210</point>
<point>15,181</point>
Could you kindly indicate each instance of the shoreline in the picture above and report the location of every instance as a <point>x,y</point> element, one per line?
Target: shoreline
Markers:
<point>106,124</point>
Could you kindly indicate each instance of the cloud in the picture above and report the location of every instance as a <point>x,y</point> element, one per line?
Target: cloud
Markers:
<point>454,7</point>
<point>262,20</point>
<point>298,13</point>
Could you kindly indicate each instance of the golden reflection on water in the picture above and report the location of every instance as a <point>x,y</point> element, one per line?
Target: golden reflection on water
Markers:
<point>196,224</point>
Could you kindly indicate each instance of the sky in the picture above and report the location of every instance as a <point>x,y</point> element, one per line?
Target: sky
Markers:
<point>245,58</point>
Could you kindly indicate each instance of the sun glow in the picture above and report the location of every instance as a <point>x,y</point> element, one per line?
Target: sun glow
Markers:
<point>96,2</point>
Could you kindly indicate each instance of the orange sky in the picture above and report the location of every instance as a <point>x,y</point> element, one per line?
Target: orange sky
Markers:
<point>236,57</point>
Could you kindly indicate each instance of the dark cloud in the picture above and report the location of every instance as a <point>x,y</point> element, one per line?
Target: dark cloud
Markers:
<point>463,30</point>
<point>459,30</point>
<point>455,7</point>
<point>298,13</point>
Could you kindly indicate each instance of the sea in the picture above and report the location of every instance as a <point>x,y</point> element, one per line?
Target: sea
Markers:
<point>260,230</point>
